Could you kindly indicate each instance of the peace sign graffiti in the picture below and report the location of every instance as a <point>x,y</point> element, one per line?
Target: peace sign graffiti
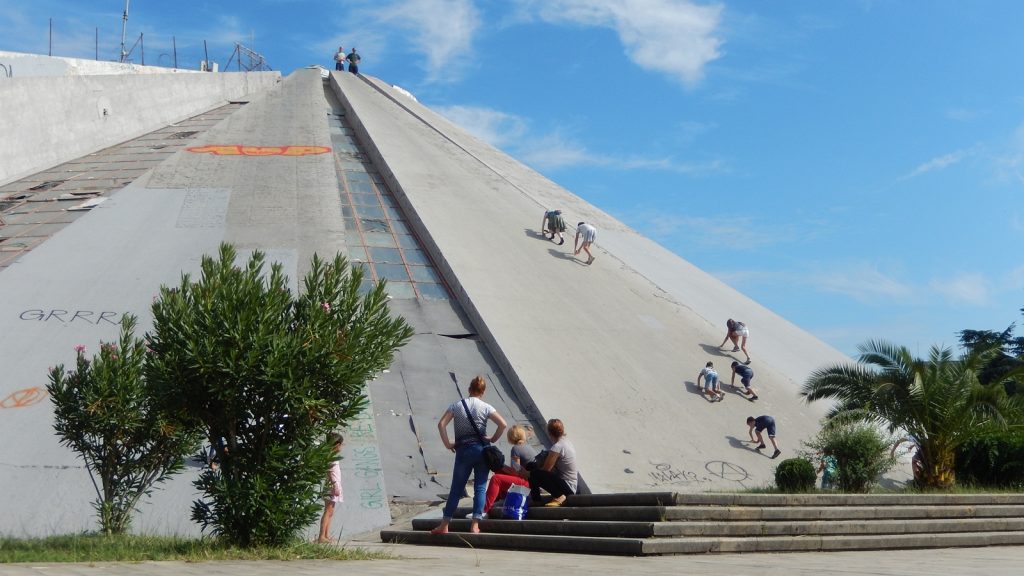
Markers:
<point>726,471</point>
<point>24,397</point>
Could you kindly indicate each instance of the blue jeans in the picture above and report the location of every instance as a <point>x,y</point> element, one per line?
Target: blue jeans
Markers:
<point>468,459</point>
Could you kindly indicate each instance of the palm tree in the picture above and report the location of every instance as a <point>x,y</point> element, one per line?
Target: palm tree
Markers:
<point>938,401</point>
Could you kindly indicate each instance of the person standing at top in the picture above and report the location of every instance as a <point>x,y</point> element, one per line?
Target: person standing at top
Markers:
<point>335,494</point>
<point>746,375</point>
<point>589,234</point>
<point>734,331</point>
<point>339,59</point>
<point>553,223</point>
<point>469,414</point>
<point>353,61</point>
<point>759,424</point>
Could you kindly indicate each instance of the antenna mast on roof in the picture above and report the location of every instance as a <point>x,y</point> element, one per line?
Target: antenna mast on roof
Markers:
<point>124,29</point>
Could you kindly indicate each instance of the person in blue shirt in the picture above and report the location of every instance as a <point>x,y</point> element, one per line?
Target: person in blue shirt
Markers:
<point>746,375</point>
<point>759,424</point>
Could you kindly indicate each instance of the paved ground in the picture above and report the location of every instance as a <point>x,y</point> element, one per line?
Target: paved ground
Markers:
<point>452,562</point>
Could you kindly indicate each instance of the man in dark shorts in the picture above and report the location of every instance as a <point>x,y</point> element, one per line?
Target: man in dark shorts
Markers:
<point>763,423</point>
<point>746,375</point>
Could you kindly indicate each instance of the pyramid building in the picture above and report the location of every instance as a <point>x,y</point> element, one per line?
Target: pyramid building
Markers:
<point>114,184</point>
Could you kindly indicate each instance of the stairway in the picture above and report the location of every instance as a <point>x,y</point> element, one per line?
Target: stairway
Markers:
<point>640,524</point>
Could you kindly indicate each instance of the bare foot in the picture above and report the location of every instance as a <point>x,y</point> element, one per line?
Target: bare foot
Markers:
<point>323,540</point>
<point>474,528</point>
<point>440,530</point>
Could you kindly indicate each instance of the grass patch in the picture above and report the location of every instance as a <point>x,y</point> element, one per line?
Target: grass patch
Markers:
<point>130,548</point>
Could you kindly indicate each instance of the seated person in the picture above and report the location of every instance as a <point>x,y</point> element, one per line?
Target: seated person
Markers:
<point>557,474</point>
<point>521,454</point>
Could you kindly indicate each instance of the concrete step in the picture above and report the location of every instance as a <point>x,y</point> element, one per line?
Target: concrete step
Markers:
<point>728,529</point>
<point>656,546</point>
<point>668,523</point>
<point>773,514</point>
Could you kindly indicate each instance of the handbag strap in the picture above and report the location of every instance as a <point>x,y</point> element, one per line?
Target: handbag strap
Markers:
<point>473,422</point>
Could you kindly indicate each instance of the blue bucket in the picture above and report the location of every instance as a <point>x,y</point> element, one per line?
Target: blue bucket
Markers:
<point>517,503</point>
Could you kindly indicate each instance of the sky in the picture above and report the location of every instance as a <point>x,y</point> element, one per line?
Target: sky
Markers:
<point>857,166</point>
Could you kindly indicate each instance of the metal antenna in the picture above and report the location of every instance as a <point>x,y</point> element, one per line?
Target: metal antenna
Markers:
<point>124,29</point>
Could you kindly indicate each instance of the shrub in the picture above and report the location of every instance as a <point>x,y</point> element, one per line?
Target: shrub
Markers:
<point>266,375</point>
<point>795,475</point>
<point>104,411</point>
<point>860,450</point>
<point>996,460</point>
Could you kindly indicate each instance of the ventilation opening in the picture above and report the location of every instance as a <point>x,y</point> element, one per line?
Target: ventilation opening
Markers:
<point>459,336</point>
<point>239,102</point>
<point>47,185</point>
<point>158,147</point>
<point>183,135</point>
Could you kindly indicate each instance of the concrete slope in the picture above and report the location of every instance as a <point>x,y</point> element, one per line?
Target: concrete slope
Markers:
<point>64,117</point>
<point>612,348</point>
<point>73,288</point>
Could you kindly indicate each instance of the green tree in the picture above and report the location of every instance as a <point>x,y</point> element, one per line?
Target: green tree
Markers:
<point>265,375</point>
<point>1006,363</point>
<point>104,411</point>
<point>860,451</point>
<point>937,400</point>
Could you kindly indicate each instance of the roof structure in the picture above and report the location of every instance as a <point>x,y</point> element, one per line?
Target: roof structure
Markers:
<point>350,164</point>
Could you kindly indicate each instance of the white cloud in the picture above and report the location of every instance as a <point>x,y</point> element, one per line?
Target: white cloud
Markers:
<point>937,163</point>
<point>970,289</point>
<point>443,30</point>
<point>676,37</point>
<point>863,282</point>
<point>964,114</point>
<point>732,233</point>
<point>497,128</point>
<point>553,150</point>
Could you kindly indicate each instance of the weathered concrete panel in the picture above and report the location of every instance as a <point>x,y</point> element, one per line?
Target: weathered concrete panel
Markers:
<point>49,120</point>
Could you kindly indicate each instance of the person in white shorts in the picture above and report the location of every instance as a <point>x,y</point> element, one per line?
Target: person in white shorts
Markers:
<point>735,331</point>
<point>588,233</point>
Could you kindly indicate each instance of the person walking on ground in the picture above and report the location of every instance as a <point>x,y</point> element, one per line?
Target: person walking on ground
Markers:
<point>759,424</point>
<point>353,61</point>
<point>734,331</point>
<point>746,375</point>
<point>521,455</point>
<point>557,474</point>
<point>711,387</point>
<point>828,467</point>
<point>469,450</point>
<point>552,224</point>
<point>589,234</point>
<point>339,59</point>
<point>334,486</point>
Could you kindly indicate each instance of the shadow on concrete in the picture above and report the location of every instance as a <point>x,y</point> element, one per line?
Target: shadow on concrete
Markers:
<point>741,444</point>
<point>565,256</point>
<point>715,351</point>
<point>698,390</point>
<point>541,236</point>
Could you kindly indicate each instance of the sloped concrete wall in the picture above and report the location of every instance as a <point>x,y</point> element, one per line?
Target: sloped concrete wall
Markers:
<point>50,120</point>
<point>613,349</point>
<point>22,65</point>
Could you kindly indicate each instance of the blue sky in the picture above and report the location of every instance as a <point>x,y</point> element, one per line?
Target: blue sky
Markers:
<point>857,166</point>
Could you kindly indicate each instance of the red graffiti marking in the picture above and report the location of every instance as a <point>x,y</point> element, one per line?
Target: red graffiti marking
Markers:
<point>23,398</point>
<point>239,150</point>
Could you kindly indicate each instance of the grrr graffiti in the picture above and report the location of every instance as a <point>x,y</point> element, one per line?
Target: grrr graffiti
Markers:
<point>240,150</point>
<point>24,397</point>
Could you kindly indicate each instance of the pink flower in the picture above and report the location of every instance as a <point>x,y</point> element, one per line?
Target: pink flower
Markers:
<point>326,306</point>
<point>80,348</point>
